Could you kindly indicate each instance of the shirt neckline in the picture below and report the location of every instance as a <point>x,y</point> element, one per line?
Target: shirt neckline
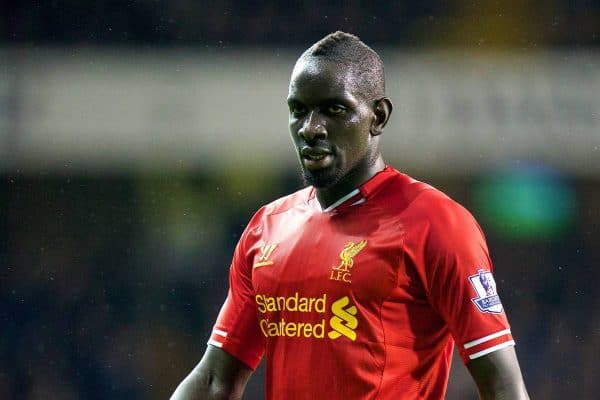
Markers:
<point>360,194</point>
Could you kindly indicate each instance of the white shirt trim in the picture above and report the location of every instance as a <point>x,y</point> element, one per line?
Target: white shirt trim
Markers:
<point>215,343</point>
<point>485,339</point>
<point>219,332</point>
<point>340,201</point>
<point>491,349</point>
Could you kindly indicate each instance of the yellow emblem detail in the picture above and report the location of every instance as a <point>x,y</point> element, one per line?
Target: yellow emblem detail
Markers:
<point>343,321</point>
<point>342,271</point>
<point>265,256</point>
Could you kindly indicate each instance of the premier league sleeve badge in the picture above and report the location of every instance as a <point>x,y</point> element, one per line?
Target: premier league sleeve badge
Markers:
<point>487,299</point>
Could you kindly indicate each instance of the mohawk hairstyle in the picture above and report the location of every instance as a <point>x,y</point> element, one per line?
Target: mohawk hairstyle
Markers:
<point>347,49</point>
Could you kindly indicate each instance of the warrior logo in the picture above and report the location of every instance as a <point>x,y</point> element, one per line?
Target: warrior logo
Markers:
<point>343,321</point>
<point>487,300</point>
<point>342,271</point>
<point>265,256</point>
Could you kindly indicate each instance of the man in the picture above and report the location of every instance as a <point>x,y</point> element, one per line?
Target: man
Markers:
<point>357,286</point>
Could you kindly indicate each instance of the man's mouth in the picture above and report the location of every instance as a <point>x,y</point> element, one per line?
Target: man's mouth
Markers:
<point>316,157</point>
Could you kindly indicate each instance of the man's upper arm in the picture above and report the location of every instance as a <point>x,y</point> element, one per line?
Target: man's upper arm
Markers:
<point>236,330</point>
<point>459,280</point>
<point>218,375</point>
<point>498,376</point>
<point>462,289</point>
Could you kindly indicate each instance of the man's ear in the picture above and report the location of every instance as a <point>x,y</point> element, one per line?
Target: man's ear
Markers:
<point>383,109</point>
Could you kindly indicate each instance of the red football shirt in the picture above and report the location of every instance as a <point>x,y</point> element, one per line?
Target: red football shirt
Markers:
<point>361,300</point>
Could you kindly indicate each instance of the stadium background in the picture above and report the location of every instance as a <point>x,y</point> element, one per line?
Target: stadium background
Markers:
<point>137,138</point>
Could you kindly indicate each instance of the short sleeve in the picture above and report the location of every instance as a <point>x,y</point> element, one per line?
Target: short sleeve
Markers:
<point>236,330</point>
<point>461,284</point>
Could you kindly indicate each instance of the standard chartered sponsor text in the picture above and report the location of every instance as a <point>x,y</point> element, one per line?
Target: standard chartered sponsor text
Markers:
<point>292,329</point>
<point>295,303</point>
<point>278,320</point>
<point>291,303</point>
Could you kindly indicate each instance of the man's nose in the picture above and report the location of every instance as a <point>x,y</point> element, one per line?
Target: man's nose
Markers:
<point>313,127</point>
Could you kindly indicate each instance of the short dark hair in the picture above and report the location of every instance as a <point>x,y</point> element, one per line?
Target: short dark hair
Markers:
<point>347,49</point>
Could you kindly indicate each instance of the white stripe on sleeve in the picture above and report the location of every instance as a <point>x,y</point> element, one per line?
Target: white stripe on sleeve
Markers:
<point>219,332</point>
<point>215,343</point>
<point>485,339</point>
<point>491,349</point>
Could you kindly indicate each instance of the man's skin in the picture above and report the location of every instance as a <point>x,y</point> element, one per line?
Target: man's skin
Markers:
<point>218,376</point>
<point>335,128</point>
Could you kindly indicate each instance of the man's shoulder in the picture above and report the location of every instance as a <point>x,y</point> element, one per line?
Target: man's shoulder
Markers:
<point>430,215</point>
<point>444,218</point>
<point>285,203</point>
<point>409,193</point>
<point>255,226</point>
<point>423,200</point>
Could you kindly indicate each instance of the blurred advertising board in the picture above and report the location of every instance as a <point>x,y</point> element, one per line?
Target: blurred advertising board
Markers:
<point>455,112</point>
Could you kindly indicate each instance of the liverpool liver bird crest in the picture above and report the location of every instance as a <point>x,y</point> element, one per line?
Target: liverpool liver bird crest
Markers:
<point>347,255</point>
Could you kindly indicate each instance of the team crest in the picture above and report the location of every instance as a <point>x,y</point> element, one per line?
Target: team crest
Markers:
<point>487,300</point>
<point>342,272</point>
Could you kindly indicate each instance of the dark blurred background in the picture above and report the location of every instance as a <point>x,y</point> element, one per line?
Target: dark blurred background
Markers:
<point>138,137</point>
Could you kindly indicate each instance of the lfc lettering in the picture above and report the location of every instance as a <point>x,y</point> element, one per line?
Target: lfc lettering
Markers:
<point>340,275</point>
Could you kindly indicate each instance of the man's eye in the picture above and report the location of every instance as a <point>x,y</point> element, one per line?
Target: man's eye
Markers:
<point>296,110</point>
<point>335,109</point>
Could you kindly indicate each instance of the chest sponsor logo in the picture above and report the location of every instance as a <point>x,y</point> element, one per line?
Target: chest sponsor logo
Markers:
<point>487,299</point>
<point>341,272</point>
<point>343,321</point>
<point>264,258</point>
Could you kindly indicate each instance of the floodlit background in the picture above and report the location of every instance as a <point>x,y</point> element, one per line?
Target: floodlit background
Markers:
<point>138,137</point>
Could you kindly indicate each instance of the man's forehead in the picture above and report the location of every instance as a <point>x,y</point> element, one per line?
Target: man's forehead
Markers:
<point>326,75</point>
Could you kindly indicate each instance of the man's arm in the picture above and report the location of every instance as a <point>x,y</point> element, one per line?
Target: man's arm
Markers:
<point>217,376</point>
<point>498,376</point>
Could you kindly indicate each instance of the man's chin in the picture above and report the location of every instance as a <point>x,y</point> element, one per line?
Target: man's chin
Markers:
<point>320,178</point>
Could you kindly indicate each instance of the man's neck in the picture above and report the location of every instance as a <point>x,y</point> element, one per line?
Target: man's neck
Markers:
<point>329,195</point>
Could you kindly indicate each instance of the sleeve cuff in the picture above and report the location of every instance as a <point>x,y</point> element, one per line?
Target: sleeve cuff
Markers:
<point>244,353</point>
<point>485,345</point>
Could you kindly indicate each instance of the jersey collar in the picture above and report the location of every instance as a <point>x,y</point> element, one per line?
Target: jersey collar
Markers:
<point>362,193</point>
